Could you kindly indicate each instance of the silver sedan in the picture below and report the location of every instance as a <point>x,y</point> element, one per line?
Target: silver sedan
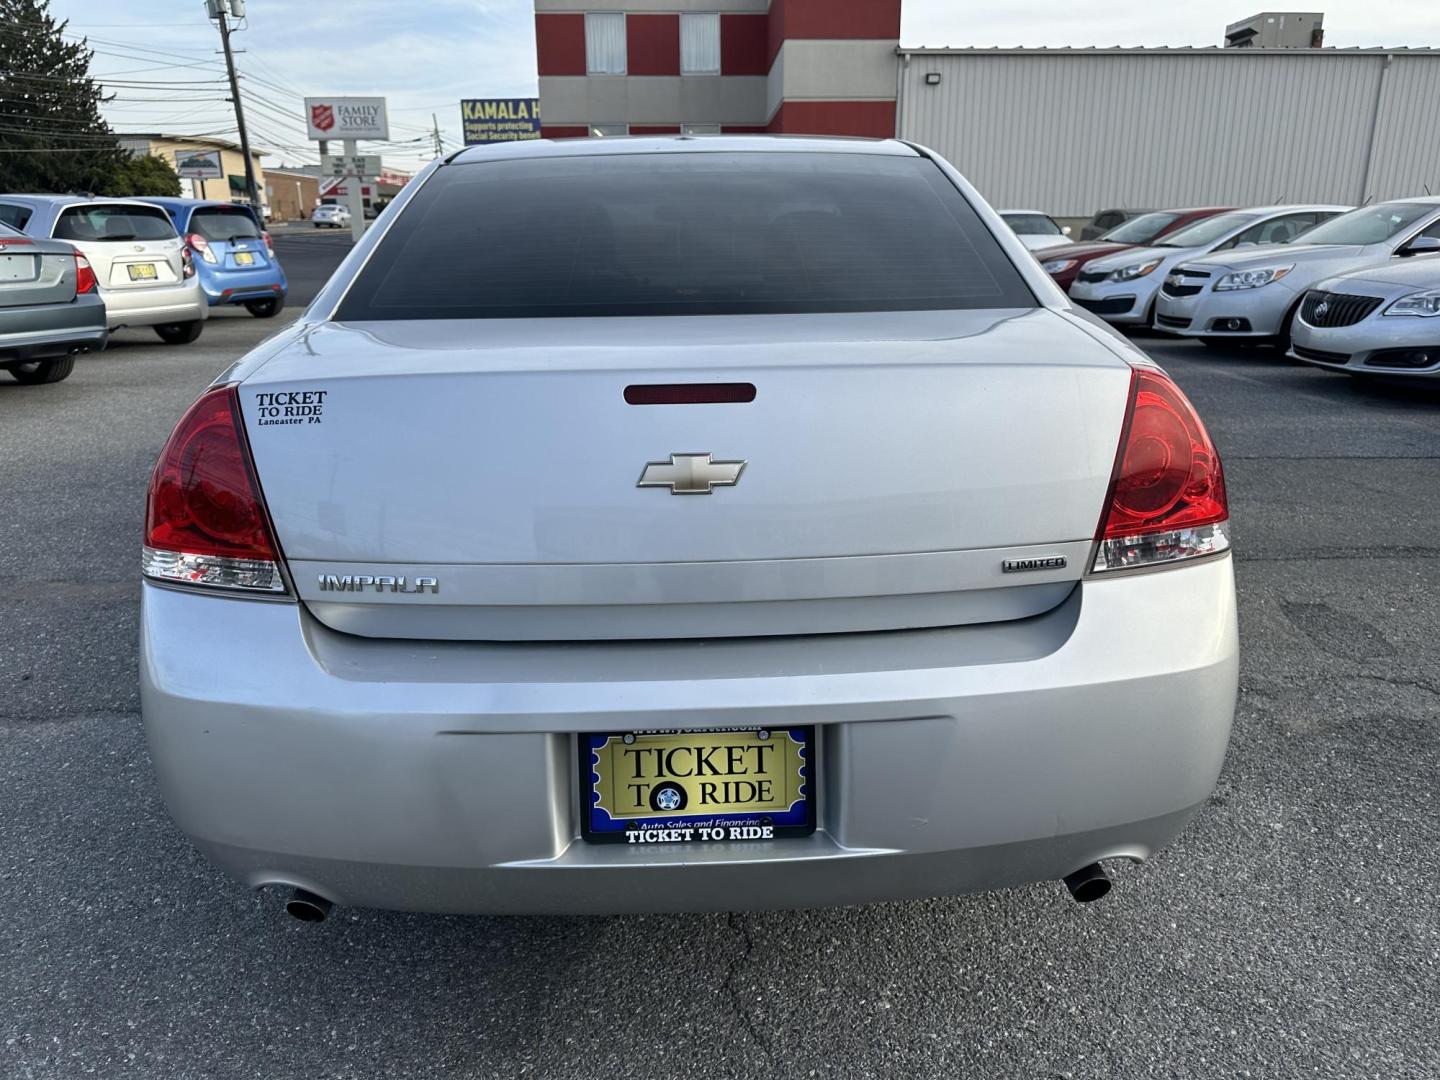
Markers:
<point>50,308</point>
<point>603,572</point>
<point>1384,321</point>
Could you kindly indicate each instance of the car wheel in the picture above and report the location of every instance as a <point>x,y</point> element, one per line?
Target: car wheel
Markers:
<point>316,224</point>
<point>265,309</point>
<point>43,371</point>
<point>180,333</point>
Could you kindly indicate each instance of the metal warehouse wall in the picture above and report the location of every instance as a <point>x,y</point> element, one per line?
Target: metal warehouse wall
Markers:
<point>1072,132</point>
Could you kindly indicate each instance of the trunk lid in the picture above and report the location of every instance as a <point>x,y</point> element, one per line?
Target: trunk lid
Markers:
<point>893,463</point>
<point>29,275</point>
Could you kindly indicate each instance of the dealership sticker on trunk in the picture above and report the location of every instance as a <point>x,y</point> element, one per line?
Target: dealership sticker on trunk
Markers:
<point>670,787</point>
<point>290,407</point>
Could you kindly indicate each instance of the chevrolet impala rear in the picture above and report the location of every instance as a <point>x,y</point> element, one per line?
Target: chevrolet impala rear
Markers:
<point>670,524</point>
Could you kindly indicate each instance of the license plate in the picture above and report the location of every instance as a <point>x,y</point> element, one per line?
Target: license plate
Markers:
<point>142,272</point>
<point>673,787</point>
<point>244,258</point>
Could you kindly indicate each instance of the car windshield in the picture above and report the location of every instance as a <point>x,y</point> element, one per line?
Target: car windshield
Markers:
<point>114,223</point>
<point>1369,224</point>
<point>685,234</point>
<point>1141,230</point>
<point>224,223</point>
<point>1032,225</point>
<point>1206,231</point>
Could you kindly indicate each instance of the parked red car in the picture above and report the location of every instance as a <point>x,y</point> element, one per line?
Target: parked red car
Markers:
<point>1063,262</point>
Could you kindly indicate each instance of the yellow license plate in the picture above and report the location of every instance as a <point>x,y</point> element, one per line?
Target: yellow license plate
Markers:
<point>143,272</point>
<point>244,258</point>
<point>697,786</point>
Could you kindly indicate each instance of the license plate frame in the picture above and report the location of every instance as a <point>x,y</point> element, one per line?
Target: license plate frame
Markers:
<point>689,824</point>
<point>143,271</point>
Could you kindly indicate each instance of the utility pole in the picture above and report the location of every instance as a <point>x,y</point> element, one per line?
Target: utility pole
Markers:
<point>218,9</point>
<point>439,147</point>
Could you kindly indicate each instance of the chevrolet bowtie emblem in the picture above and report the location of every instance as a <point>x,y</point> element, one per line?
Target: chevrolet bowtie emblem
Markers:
<point>691,474</point>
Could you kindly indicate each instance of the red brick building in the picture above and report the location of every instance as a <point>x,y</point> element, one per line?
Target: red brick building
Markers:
<point>651,67</point>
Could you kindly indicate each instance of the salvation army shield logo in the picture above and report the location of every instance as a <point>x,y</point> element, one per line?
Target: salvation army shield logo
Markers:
<point>322,117</point>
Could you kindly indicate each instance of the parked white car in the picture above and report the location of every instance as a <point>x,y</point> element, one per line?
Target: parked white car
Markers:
<point>331,216</point>
<point>1121,288</point>
<point>145,271</point>
<point>1036,230</point>
<point>1255,295</point>
<point>1381,321</point>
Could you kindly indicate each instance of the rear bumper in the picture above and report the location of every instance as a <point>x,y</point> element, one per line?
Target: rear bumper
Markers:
<point>443,776</point>
<point>155,305</point>
<point>223,287</point>
<point>52,330</point>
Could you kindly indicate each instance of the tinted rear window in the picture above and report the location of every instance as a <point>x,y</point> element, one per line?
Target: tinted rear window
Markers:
<point>684,234</point>
<point>224,223</point>
<point>114,223</point>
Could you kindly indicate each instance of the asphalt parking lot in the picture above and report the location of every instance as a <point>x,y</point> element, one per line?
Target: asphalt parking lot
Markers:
<point>1293,930</point>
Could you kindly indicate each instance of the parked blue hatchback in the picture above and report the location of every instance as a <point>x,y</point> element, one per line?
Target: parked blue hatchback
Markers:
<point>233,254</point>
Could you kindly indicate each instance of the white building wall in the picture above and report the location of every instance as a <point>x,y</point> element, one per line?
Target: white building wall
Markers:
<point>1073,131</point>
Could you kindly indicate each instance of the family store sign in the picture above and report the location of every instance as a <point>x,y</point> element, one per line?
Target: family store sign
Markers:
<point>346,118</point>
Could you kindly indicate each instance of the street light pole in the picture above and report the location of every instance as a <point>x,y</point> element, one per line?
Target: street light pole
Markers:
<point>218,9</point>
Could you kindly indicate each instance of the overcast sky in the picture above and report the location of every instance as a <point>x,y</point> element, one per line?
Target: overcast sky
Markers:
<point>426,56</point>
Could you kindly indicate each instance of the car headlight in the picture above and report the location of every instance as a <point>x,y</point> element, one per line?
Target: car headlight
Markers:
<point>1057,266</point>
<point>1425,304</point>
<point>1134,270</point>
<point>1252,279</point>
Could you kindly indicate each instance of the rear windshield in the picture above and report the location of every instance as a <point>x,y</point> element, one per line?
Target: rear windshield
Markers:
<point>1141,230</point>
<point>1032,225</point>
<point>114,223</point>
<point>684,234</point>
<point>224,223</point>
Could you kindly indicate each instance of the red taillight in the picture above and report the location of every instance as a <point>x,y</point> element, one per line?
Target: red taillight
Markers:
<point>269,245</point>
<point>205,519</point>
<point>84,276</point>
<point>1167,496</point>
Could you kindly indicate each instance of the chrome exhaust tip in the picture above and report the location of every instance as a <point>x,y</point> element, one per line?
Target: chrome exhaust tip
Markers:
<point>307,907</point>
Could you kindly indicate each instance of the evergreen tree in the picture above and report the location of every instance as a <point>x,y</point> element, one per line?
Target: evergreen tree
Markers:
<point>52,137</point>
<point>143,174</point>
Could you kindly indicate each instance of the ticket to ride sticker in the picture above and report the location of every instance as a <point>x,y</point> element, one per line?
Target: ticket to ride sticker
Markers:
<point>673,787</point>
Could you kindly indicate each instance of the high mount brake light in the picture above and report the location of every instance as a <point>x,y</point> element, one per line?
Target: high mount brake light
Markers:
<point>1167,496</point>
<point>85,280</point>
<point>205,518</point>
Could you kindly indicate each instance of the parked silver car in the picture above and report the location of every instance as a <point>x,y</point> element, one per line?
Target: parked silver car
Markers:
<point>331,216</point>
<point>737,522</point>
<point>1381,321</point>
<point>1254,295</point>
<point>146,273</point>
<point>50,308</point>
<point>1122,288</point>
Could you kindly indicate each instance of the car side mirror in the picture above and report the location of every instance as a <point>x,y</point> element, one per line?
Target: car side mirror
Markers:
<point>1065,229</point>
<point>1420,245</point>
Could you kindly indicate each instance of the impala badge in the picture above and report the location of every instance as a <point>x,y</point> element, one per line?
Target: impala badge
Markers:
<point>691,474</point>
